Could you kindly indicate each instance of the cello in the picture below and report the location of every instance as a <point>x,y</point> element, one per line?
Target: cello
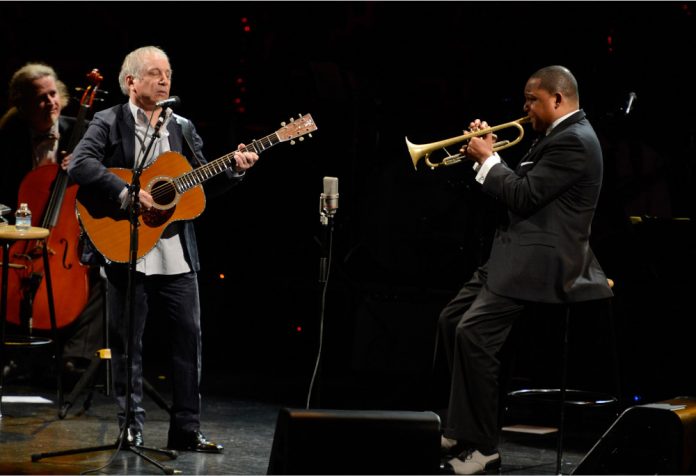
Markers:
<point>49,195</point>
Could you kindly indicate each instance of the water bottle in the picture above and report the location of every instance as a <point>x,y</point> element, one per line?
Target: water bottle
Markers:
<point>23,217</point>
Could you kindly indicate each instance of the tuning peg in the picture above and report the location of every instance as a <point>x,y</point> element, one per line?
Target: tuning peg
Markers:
<point>292,142</point>
<point>301,139</point>
<point>310,135</point>
<point>292,119</point>
<point>283,123</point>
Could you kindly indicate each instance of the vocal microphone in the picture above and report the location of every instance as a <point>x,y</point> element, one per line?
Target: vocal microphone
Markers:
<point>631,98</point>
<point>328,201</point>
<point>173,101</point>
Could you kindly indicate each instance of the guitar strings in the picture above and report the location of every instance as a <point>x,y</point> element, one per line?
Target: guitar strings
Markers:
<point>196,176</point>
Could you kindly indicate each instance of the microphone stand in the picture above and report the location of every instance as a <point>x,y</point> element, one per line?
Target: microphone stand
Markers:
<point>133,214</point>
<point>326,245</point>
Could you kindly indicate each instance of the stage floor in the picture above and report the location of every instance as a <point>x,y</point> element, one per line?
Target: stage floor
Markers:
<point>244,426</point>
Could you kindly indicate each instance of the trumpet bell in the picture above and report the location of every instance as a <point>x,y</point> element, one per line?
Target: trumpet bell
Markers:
<point>416,151</point>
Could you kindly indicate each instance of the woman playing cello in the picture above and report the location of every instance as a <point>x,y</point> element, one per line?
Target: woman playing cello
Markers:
<point>33,138</point>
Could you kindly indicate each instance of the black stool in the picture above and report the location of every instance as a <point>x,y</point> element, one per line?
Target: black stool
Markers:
<point>8,236</point>
<point>565,396</point>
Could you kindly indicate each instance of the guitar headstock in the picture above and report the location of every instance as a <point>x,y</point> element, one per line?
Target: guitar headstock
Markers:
<point>297,128</point>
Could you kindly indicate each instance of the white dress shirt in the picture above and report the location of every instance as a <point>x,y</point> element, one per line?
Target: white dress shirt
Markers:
<point>167,257</point>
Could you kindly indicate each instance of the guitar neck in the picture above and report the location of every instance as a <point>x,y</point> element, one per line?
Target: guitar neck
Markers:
<point>211,169</point>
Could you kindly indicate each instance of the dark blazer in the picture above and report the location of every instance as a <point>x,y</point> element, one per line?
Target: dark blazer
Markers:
<point>543,254</point>
<point>110,142</point>
<point>16,154</point>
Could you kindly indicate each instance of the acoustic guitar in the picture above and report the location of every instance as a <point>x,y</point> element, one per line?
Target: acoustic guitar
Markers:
<point>176,191</point>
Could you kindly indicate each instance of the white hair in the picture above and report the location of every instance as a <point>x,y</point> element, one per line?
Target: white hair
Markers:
<point>134,63</point>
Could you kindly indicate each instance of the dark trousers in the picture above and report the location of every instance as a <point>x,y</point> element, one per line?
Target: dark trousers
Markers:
<point>473,328</point>
<point>176,299</point>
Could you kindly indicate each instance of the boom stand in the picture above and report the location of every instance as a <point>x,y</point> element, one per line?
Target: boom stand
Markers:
<point>122,442</point>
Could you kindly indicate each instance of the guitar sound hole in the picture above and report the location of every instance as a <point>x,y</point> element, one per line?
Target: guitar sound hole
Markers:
<point>163,193</point>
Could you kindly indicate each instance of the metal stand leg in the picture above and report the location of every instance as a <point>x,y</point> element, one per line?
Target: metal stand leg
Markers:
<point>54,330</point>
<point>86,379</point>
<point>3,312</point>
<point>564,378</point>
<point>114,446</point>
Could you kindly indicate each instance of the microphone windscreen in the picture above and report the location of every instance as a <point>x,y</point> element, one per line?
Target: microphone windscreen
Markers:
<point>172,101</point>
<point>330,186</point>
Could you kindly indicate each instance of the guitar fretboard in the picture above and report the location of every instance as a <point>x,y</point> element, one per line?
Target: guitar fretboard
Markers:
<point>217,166</point>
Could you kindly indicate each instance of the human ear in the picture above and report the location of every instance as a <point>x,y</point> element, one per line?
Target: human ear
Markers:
<point>558,100</point>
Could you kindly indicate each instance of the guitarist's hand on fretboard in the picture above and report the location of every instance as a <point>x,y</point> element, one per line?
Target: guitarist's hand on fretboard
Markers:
<point>244,159</point>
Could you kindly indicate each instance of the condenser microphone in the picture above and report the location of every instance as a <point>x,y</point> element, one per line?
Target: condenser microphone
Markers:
<point>330,195</point>
<point>172,101</point>
<point>631,99</point>
<point>328,200</point>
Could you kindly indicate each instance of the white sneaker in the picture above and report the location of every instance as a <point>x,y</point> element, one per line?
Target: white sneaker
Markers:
<point>473,462</point>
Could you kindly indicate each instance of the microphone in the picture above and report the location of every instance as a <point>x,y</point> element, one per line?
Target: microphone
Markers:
<point>328,201</point>
<point>631,99</point>
<point>173,101</point>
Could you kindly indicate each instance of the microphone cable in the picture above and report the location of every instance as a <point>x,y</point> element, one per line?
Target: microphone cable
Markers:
<point>322,308</point>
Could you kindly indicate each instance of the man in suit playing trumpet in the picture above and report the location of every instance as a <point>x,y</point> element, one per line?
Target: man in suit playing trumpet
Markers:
<point>541,255</point>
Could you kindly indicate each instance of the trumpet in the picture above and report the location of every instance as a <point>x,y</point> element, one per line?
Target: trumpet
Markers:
<point>419,151</point>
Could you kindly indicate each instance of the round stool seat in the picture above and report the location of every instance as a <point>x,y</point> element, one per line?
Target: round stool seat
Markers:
<point>26,341</point>
<point>573,397</point>
<point>10,232</point>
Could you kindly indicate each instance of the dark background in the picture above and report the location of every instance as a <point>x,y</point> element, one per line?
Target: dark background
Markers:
<point>372,73</point>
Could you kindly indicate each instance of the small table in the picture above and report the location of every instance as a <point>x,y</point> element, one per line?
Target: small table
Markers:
<point>9,235</point>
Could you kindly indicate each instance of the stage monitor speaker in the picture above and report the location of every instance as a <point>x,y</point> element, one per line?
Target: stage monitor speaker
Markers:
<point>355,442</point>
<point>657,438</point>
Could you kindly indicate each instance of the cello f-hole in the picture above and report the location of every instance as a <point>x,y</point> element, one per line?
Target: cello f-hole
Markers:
<point>65,244</point>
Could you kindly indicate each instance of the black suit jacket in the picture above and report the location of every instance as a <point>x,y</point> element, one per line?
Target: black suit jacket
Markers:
<point>543,254</point>
<point>110,142</point>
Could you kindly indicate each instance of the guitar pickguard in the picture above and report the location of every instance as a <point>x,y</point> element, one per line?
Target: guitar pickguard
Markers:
<point>155,218</point>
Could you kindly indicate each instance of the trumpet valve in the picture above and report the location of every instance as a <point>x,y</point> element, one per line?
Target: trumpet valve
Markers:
<point>452,159</point>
